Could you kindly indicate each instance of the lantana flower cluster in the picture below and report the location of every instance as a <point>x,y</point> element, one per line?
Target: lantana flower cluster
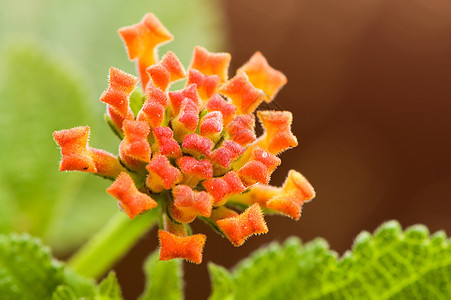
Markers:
<point>192,153</point>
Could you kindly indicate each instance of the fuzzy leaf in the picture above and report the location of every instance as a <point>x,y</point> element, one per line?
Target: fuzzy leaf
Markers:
<point>109,288</point>
<point>390,264</point>
<point>164,279</point>
<point>222,282</point>
<point>27,271</point>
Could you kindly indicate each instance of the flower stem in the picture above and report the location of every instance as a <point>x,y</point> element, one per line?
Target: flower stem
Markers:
<point>100,253</point>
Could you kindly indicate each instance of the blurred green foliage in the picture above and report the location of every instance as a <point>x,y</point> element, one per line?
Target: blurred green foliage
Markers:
<point>54,61</point>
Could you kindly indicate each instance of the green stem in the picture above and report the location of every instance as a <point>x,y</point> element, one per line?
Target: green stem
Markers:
<point>100,253</point>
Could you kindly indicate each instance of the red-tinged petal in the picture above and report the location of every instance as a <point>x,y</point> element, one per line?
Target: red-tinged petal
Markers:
<point>135,144</point>
<point>241,129</point>
<point>270,161</point>
<point>107,164</point>
<point>162,175</point>
<point>171,62</point>
<point>160,76</point>
<point>212,125</point>
<point>117,118</point>
<point>189,204</point>
<point>295,191</point>
<point>209,63</point>
<point>189,248</point>
<point>238,229</point>
<point>222,187</point>
<point>194,170</point>
<point>258,193</point>
<point>278,136</point>
<point>74,149</point>
<point>152,113</point>
<point>254,172</point>
<point>243,94</point>
<point>189,115</point>
<point>132,201</point>
<point>165,143</point>
<point>207,85</point>
<point>156,95</point>
<point>197,145</point>
<point>178,97</point>
<point>263,76</point>
<point>142,40</point>
<point>120,80</point>
<point>217,103</point>
<point>234,147</point>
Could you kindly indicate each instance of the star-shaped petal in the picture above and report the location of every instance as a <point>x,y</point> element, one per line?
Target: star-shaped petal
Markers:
<point>189,248</point>
<point>278,136</point>
<point>142,40</point>
<point>132,201</point>
<point>209,63</point>
<point>263,76</point>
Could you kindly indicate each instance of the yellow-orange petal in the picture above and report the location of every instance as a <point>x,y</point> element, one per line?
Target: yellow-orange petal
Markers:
<point>74,149</point>
<point>263,76</point>
<point>242,93</point>
<point>171,62</point>
<point>132,201</point>
<point>295,191</point>
<point>107,164</point>
<point>189,248</point>
<point>278,136</point>
<point>258,193</point>
<point>239,228</point>
<point>209,63</point>
<point>141,41</point>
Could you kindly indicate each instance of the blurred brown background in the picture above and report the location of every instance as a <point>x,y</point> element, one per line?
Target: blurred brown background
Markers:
<point>369,83</point>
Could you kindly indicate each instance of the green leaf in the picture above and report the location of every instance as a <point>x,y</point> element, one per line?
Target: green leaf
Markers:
<point>27,271</point>
<point>391,264</point>
<point>109,288</point>
<point>137,100</point>
<point>222,282</point>
<point>164,279</point>
<point>40,94</point>
<point>64,292</point>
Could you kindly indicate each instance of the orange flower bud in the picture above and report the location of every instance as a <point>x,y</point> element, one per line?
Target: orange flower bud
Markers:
<point>74,149</point>
<point>207,85</point>
<point>259,168</point>
<point>209,63</point>
<point>241,129</point>
<point>197,145</point>
<point>243,94</point>
<point>223,157</point>
<point>222,187</point>
<point>238,229</point>
<point>165,143</point>
<point>134,148</point>
<point>162,175</point>
<point>263,76</point>
<point>222,212</point>
<point>194,170</point>
<point>295,191</point>
<point>278,136</point>
<point>178,97</point>
<point>217,103</point>
<point>188,204</point>
<point>187,120</point>
<point>142,40</point>
<point>132,201</point>
<point>189,248</point>
<point>258,193</point>
<point>167,71</point>
<point>212,125</point>
<point>107,164</point>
